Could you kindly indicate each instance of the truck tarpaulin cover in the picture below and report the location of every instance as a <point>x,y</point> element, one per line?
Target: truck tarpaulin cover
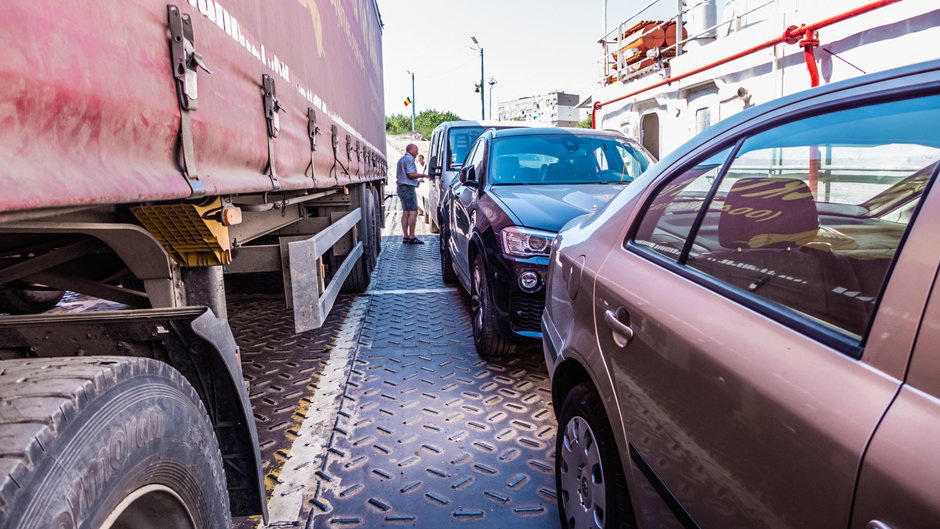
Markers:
<point>89,110</point>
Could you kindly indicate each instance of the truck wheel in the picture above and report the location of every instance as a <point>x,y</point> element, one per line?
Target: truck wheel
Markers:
<point>486,337</point>
<point>28,301</point>
<point>358,279</point>
<point>375,213</point>
<point>592,491</point>
<point>109,442</point>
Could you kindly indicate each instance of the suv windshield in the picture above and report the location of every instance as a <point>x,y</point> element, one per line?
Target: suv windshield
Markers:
<point>564,159</point>
<point>459,141</point>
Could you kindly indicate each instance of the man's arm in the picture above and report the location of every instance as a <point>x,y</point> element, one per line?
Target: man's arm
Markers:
<point>413,170</point>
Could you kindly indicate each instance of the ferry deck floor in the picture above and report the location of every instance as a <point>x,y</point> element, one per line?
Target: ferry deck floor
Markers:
<point>386,416</point>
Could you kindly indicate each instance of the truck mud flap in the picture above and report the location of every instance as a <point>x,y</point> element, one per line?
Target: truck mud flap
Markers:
<point>190,339</point>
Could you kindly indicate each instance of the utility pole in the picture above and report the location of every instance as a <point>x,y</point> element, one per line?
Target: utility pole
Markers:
<point>482,78</point>
<point>412,74</point>
<point>492,82</point>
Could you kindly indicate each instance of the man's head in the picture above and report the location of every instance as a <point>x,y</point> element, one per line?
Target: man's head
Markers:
<point>412,149</point>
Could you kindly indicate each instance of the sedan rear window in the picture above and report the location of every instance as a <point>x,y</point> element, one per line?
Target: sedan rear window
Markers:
<point>808,216</point>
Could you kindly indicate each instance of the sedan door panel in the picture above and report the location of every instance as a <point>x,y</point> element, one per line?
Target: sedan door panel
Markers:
<point>738,417</point>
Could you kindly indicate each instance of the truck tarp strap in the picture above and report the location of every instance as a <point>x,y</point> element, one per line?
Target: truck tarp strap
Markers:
<point>335,141</point>
<point>189,155</point>
<point>185,60</point>
<point>271,108</point>
<point>312,131</point>
<point>272,172</point>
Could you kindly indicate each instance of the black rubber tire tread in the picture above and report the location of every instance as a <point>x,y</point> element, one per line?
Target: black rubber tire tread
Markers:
<point>18,301</point>
<point>77,435</point>
<point>583,401</point>
<point>361,274</point>
<point>488,341</point>
<point>379,221</point>
<point>448,275</point>
<point>359,277</point>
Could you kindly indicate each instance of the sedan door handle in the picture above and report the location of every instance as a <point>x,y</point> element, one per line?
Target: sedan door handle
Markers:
<point>623,333</point>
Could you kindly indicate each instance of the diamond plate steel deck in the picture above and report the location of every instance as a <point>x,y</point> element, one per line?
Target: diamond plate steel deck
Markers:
<point>427,433</point>
<point>282,368</point>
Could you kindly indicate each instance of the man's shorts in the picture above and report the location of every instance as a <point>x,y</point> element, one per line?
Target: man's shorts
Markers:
<point>409,199</point>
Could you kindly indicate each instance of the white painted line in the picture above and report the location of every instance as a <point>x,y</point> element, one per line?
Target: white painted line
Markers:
<point>297,479</point>
<point>412,291</point>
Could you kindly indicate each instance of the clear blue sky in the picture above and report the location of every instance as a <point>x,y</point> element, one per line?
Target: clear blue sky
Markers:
<point>531,47</point>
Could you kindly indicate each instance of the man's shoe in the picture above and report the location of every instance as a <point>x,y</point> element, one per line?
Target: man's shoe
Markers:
<point>406,240</point>
<point>416,241</point>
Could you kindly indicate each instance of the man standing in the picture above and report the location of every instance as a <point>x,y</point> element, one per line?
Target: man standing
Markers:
<point>407,175</point>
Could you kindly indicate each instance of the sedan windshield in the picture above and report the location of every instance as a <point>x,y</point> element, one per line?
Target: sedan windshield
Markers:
<point>564,159</point>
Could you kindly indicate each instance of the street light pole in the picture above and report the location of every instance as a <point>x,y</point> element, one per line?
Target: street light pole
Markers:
<point>492,82</point>
<point>412,74</point>
<point>482,78</point>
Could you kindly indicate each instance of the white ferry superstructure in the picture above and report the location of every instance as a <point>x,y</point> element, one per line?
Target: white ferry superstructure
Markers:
<point>663,91</point>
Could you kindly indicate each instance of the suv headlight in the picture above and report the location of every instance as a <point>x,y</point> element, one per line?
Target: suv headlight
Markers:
<point>527,242</point>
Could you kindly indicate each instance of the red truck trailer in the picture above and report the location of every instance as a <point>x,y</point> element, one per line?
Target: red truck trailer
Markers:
<point>146,150</point>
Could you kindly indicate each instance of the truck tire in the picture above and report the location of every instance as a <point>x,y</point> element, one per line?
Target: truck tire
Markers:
<point>358,279</point>
<point>106,442</point>
<point>375,228</point>
<point>28,301</point>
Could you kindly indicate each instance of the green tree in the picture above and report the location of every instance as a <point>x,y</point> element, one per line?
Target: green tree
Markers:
<point>424,122</point>
<point>585,124</point>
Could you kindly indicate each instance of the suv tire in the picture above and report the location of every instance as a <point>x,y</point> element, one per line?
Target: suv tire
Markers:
<point>486,337</point>
<point>448,275</point>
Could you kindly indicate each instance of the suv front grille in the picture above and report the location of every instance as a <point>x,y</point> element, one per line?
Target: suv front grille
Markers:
<point>525,312</point>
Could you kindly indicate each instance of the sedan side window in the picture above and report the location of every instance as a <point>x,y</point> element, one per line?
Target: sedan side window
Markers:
<point>668,220</point>
<point>811,214</point>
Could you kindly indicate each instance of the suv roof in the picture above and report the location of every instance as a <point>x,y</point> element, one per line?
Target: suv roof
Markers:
<point>479,123</point>
<point>548,131</point>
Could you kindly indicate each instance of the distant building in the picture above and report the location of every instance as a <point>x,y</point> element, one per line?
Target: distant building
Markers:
<point>585,107</point>
<point>557,109</point>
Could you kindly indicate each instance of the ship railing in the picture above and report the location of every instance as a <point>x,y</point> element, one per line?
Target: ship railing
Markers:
<point>616,42</point>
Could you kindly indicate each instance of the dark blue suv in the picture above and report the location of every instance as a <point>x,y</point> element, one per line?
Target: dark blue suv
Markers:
<point>516,189</point>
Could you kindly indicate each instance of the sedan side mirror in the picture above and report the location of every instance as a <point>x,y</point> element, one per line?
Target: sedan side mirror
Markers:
<point>468,176</point>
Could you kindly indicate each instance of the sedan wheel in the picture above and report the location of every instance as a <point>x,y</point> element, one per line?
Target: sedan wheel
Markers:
<point>592,491</point>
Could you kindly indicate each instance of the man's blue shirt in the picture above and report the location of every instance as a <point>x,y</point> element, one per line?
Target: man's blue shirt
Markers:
<point>406,165</point>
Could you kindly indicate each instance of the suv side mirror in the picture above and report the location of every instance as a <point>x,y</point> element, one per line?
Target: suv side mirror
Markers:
<point>468,176</point>
<point>434,169</point>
